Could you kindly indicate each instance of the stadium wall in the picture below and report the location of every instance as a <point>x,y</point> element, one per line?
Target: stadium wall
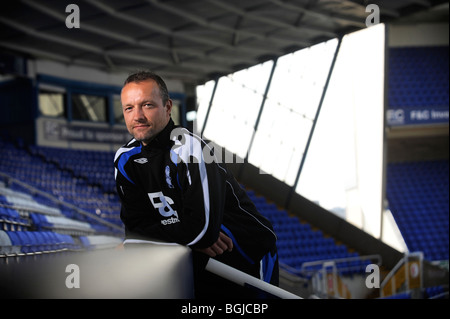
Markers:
<point>21,118</point>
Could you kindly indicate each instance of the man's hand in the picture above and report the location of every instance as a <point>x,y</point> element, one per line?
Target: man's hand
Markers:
<point>224,243</point>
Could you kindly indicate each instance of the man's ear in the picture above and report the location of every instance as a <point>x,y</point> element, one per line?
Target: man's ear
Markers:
<point>169,106</point>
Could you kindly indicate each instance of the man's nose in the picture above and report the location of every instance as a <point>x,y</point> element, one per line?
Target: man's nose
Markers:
<point>138,114</point>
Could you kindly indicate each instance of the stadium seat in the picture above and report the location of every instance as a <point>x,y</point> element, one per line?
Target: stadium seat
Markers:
<point>16,243</point>
<point>5,243</point>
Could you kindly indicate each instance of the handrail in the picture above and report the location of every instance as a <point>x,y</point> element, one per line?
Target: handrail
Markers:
<point>341,260</point>
<point>402,264</point>
<point>244,279</point>
<point>316,273</point>
<point>303,271</point>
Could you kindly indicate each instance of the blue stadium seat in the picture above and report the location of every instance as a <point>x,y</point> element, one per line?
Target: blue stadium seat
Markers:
<point>16,242</point>
<point>5,243</point>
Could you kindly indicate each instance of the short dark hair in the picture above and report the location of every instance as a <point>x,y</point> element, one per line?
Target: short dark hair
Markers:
<point>145,75</point>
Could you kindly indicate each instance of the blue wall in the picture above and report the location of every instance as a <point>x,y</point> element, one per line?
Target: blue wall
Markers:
<point>18,108</point>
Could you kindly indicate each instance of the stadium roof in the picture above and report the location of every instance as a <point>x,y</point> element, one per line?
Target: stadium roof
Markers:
<point>194,40</point>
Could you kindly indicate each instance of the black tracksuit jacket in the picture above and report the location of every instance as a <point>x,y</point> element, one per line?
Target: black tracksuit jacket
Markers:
<point>175,190</point>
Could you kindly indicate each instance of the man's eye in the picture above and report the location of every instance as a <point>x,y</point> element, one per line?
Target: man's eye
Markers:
<point>148,105</point>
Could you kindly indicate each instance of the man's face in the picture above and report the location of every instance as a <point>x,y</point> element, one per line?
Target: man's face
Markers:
<point>143,110</point>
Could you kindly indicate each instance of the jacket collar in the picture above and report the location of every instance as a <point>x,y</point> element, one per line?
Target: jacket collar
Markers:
<point>162,140</point>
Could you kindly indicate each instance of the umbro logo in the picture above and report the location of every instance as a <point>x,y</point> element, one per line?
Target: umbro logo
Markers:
<point>142,160</point>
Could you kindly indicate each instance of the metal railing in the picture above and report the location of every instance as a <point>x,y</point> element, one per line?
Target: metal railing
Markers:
<point>324,276</point>
<point>405,276</point>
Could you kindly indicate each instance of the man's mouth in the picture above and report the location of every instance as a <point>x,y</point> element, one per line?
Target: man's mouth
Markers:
<point>141,126</point>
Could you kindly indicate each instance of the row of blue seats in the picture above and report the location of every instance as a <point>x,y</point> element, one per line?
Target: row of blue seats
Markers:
<point>18,243</point>
<point>10,219</point>
<point>69,219</point>
<point>436,292</point>
<point>30,242</point>
<point>411,103</point>
<point>95,166</point>
<point>402,295</point>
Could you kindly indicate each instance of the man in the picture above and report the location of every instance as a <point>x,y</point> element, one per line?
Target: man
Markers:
<point>174,190</point>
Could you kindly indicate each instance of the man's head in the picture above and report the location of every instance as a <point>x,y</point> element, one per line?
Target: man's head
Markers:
<point>146,105</point>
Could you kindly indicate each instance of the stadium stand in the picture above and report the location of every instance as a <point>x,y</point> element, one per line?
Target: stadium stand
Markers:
<point>42,211</point>
<point>417,190</point>
<point>411,89</point>
<point>418,195</point>
<point>299,243</point>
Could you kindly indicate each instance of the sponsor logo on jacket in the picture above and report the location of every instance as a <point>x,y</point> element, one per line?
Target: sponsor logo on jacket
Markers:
<point>162,204</point>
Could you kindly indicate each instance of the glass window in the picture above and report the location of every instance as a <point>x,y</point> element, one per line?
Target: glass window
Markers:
<point>343,170</point>
<point>118,111</point>
<point>175,114</point>
<point>280,141</point>
<point>89,108</point>
<point>204,95</point>
<point>289,111</point>
<point>235,108</point>
<point>51,104</point>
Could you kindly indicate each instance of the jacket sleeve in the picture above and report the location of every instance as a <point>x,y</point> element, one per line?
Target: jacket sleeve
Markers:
<point>201,184</point>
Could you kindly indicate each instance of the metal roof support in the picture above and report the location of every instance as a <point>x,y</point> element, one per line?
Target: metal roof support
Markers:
<point>270,21</point>
<point>209,106</point>
<point>166,31</point>
<point>216,26</point>
<point>356,21</point>
<point>97,30</point>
